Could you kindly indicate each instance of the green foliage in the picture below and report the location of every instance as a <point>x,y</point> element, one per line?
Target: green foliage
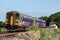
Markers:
<point>52,18</point>
<point>55,30</point>
<point>32,28</point>
<point>55,18</point>
<point>49,38</point>
<point>46,19</point>
<point>1,24</point>
<point>58,32</point>
<point>42,34</point>
<point>3,29</point>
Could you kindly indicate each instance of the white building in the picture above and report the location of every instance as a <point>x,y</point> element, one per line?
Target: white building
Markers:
<point>52,25</point>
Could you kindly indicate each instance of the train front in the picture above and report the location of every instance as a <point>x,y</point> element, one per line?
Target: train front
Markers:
<point>12,20</point>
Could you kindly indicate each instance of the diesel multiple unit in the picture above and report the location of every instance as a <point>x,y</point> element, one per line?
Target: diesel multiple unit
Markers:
<point>16,20</point>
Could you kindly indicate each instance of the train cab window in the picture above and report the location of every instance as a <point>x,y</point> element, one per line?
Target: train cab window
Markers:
<point>7,16</point>
<point>17,16</point>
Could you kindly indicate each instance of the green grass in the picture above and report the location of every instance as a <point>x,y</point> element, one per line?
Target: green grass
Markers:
<point>3,29</point>
<point>49,38</point>
<point>55,30</point>
<point>32,28</point>
<point>42,34</point>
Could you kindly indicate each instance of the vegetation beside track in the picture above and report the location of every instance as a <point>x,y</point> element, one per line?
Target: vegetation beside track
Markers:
<point>36,28</point>
<point>45,33</point>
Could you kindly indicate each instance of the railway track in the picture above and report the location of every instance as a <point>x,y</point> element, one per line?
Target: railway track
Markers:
<point>11,33</point>
<point>8,33</point>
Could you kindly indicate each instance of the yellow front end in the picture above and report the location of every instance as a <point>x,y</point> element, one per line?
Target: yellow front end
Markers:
<point>12,20</point>
<point>6,22</point>
<point>17,22</point>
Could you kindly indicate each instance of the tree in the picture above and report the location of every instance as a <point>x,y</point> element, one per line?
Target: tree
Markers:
<point>44,17</point>
<point>55,18</point>
<point>1,24</point>
<point>52,18</point>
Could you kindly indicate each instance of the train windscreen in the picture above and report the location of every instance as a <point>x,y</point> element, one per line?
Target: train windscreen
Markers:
<point>17,16</point>
<point>8,16</point>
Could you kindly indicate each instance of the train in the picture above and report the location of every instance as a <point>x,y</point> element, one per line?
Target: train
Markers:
<point>16,20</point>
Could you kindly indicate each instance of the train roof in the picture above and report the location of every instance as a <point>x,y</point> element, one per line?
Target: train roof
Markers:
<point>27,16</point>
<point>40,20</point>
<point>13,12</point>
<point>34,18</point>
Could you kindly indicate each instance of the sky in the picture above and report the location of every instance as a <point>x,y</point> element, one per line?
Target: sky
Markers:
<point>34,8</point>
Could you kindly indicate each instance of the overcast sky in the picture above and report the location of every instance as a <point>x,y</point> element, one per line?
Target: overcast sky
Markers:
<point>35,8</point>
